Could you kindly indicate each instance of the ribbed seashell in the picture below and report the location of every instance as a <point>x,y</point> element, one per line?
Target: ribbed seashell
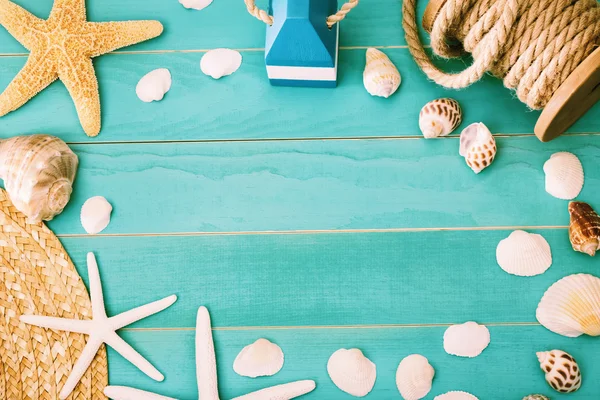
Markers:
<point>218,63</point>
<point>584,228</point>
<point>261,358</point>
<point>352,372</point>
<point>440,117</point>
<point>571,306</point>
<point>564,175</point>
<point>38,173</point>
<point>414,377</point>
<point>477,146</point>
<point>535,397</point>
<point>381,77</point>
<point>455,396</point>
<point>561,369</point>
<point>524,254</point>
<point>466,340</point>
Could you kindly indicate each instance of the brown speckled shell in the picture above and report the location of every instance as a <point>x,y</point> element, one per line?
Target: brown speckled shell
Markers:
<point>584,228</point>
<point>440,117</point>
<point>536,397</point>
<point>562,371</point>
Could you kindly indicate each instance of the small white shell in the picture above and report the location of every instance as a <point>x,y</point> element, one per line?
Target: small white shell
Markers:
<point>95,214</point>
<point>440,117</point>
<point>524,254</point>
<point>195,4</point>
<point>571,306</point>
<point>154,85</point>
<point>261,358</point>
<point>466,340</point>
<point>220,62</point>
<point>477,146</point>
<point>561,369</point>
<point>381,77</point>
<point>455,396</point>
<point>414,377</point>
<point>352,372</point>
<point>564,175</point>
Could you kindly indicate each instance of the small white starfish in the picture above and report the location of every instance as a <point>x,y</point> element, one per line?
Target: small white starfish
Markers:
<point>206,375</point>
<point>101,329</point>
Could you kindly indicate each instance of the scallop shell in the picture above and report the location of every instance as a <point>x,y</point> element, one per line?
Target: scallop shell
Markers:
<point>440,118</point>
<point>571,306</point>
<point>352,372</point>
<point>195,4</point>
<point>414,377</point>
<point>381,77</point>
<point>535,397</point>
<point>562,371</point>
<point>466,340</point>
<point>261,358</point>
<point>218,63</point>
<point>524,254</point>
<point>38,173</point>
<point>154,85</point>
<point>564,175</point>
<point>477,146</point>
<point>455,396</point>
<point>584,228</point>
<point>95,214</point>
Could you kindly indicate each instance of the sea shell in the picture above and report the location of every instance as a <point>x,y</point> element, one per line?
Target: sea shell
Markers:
<point>220,62</point>
<point>562,371</point>
<point>261,358</point>
<point>477,146</point>
<point>584,228</point>
<point>440,118</point>
<point>535,397</point>
<point>455,396</point>
<point>414,377</point>
<point>571,306</point>
<point>38,173</point>
<point>524,254</point>
<point>95,214</point>
<point>564,175</point>
<point>381,77</point>
<point>195,4</point>
<point>154,85</point>
<point>352,372</point>
<point>466,340</point>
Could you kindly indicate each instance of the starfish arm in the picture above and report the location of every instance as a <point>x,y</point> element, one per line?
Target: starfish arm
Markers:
<point>58,324</point>
<point>286,391</point>
<point>35,76</point>
<point>20,23</point>
<point>206,363</point>
<point>128,352</point>
<point>141,312</point>
<point>82,364</point>
<point>104,37</point>
<point>127,393</point>
<point>98,310</point>
<point>75,9</point>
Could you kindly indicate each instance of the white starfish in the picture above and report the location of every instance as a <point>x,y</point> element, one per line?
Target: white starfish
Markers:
<point>206,375</point>
<point>101,329</point>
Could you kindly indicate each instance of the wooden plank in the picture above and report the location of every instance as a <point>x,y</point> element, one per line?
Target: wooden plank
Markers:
<point>324,279</point>
<point>316,185</point>
<point>507,369</point>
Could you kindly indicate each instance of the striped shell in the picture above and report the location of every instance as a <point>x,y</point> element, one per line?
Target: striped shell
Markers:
<point>524,254</point>
<point>564,175</point>
<point>584,228</point>
<point>381,77</point>
<point>261,358</point>
<point>536,397</point>
<point>440,117</point>
<point>414,377</point>
<point>456,395</point>
<point>562,371</point>
<point>477,146</point>
<point>352,372</point>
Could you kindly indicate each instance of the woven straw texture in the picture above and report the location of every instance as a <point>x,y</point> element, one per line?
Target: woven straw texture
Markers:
<point>38,277</point>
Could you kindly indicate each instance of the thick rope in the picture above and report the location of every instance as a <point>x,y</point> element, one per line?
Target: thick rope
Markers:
<point>263,16</point>
<point>534,45</point>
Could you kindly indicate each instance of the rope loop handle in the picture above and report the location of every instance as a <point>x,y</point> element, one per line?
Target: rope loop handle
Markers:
<point>333,19</point>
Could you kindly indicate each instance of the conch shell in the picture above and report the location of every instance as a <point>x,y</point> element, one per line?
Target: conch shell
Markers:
<point>562,371</point>
<point>439,117</point>
<point>38,173</point>
<point>381,77</point>
<point>477,146</point>
<point>584,228</point>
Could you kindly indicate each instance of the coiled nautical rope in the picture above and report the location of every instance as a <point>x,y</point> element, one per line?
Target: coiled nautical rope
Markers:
<point>533,45</point>
<point>331,20</point>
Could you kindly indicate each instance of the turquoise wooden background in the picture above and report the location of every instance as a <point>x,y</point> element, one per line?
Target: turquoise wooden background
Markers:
<point>316,218</point>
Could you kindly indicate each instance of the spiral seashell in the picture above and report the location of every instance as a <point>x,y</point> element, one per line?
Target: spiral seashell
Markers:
<point>477,146</point>
<point>564,175</point>
<point>381,77</point>
<point>38,173</point>
<point>414,377</point>
<point>562,371</point>
<point>535,397</point>
<point>440,117</point>
<point>584,228</point>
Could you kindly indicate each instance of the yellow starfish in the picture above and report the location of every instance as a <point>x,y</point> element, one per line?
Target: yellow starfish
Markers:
<point>62,47</point>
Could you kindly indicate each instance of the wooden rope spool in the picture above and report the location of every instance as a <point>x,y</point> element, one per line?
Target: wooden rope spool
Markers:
<point>577,94</point>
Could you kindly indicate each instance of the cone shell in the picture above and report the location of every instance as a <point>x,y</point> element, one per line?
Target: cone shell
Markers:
<point>414,377</point>
<point>564,176</point>
<point>38,173</point>
<point>261,358</point>
<point>466,340</point>
<point>440,118</point>
<point>455,396</point>
<point>352,372</point>
<point>524,254</point>
<point>571,306</point>
<point>536,397</point>
<point>584,228</point>
<point>561,369</point>
<point>381,77</point>
<point>477,146</point>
